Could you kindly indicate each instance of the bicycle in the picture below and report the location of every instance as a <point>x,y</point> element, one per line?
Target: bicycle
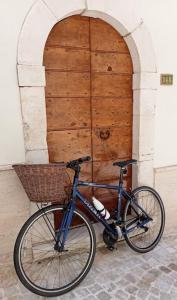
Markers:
<point>64,242</point>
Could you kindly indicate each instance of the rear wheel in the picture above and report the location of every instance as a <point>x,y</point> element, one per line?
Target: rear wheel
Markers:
<point>44,270</point>
<point>141,234</point>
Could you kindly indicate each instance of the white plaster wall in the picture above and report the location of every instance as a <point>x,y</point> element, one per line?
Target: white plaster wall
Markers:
<point>159,16</point>
<point>14,210</point>
<point>165,183</point>
<point>12,14</point>
<point>163,29</point>
<point>13,200</point>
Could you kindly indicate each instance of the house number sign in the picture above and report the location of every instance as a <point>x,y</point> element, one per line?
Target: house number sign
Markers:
<point>166,79</point>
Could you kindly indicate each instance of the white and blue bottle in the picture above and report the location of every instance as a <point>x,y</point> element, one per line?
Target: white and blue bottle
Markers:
<point>100,207</point>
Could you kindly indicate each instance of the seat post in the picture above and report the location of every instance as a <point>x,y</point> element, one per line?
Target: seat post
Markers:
<point>121,176</point>
<point>77,171</point>
<point>122,172</point>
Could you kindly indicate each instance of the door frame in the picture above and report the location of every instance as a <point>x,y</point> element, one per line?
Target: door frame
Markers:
<point>31,75</point>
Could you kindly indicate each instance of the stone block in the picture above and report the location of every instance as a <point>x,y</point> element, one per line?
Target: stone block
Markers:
<point>31,75</point>
<point>34,33</point>
<point>145,80</point>
<point>37,156</point>
<point>143,174</point>
<point>121,14</point>
<point>141,49</point>
<point>144,102</point>
<point>143,137</point>
<point>136,133</point>
<point>65,8</point>
<point>34,117</point>
<point>166,185</point>
<point>146,137</point>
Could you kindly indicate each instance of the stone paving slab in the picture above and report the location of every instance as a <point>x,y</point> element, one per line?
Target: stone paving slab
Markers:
<point>121,274</point>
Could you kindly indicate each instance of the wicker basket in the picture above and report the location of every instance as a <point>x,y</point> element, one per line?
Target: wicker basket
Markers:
<point>45,182</point>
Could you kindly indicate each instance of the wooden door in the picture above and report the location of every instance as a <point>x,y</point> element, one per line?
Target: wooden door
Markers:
<point>89,99</point>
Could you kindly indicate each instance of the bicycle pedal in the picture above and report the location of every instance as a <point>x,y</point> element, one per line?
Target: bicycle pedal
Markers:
<point>111,248</point>
<point>145,228</point>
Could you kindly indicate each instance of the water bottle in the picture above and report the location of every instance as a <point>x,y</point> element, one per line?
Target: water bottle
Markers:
<point>100,207</point>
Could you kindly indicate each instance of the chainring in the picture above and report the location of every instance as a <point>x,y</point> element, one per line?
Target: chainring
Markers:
<point>108,239</point>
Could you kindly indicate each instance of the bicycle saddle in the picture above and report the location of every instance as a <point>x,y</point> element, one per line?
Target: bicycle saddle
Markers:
<point>124,163</point>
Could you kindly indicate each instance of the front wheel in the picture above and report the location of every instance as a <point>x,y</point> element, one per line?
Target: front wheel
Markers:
<point>40,266</point>
<point>144,219</point>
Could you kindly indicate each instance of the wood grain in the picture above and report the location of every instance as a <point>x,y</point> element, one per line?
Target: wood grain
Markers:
<point>68,144</point>
<point>67,59</point>
<point>111,62</point>
<point>67,84</point>
<point>89,100</point>
<point>111,85</point>
<point>70,32</point>
<point>117,146</point>
<point>68,113</point>
<point>105,38</point>
<point>108,112</point>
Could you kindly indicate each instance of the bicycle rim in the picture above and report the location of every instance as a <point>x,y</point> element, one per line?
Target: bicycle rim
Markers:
<point>142,236</point>
<point>44,270</point>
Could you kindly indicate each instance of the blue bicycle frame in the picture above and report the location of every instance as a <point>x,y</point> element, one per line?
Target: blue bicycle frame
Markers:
<point>67,219</point>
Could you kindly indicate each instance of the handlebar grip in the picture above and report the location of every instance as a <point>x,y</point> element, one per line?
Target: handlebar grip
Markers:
<point>78,161</point>
<point>86,158</point>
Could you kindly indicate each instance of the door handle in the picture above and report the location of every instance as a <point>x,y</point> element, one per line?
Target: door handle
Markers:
<point>104,134</point>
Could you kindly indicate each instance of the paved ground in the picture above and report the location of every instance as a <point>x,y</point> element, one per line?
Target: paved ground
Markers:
<point>122,274</point>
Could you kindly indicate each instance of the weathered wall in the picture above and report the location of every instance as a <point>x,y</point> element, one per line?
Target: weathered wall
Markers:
<point>165,183</point>
<point>163,30</point>
<point>14,210</point>
<point>12,14</point>
<point>160,17</point>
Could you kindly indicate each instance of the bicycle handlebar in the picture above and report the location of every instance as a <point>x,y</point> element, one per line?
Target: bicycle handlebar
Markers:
<point>76,162</point>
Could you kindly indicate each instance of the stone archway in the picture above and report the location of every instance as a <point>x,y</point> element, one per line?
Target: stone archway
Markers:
<point>31,74</point>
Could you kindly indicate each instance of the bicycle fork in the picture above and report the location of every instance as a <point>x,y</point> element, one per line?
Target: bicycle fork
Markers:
<point>62,233</point>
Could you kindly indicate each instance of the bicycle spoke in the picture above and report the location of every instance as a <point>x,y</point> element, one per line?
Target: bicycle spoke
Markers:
<point>145,232</point>
<point>48,268</point>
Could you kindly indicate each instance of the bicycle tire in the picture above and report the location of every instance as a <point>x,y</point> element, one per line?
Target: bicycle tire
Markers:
<point>18,252</point>
<point>134,240</point>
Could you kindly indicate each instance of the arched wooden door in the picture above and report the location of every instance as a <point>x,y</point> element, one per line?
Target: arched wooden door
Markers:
<point>89,98</point>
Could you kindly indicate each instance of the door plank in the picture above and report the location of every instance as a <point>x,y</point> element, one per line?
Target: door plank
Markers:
<point>111,62</point>
<point>105,38</point>
<point>108,112</point>
<point>104,170</point>
<point>117,146</point>
<point>68,113</point>
<point>70,32</point>
<point>67,59</point>
<point>68,144</point>
<point>113,85</point>
<point>67,84</point>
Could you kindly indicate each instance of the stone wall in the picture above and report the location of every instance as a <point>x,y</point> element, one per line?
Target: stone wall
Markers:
<point>14,210</point>
<point>166,185</point>
<point>22,112</point>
